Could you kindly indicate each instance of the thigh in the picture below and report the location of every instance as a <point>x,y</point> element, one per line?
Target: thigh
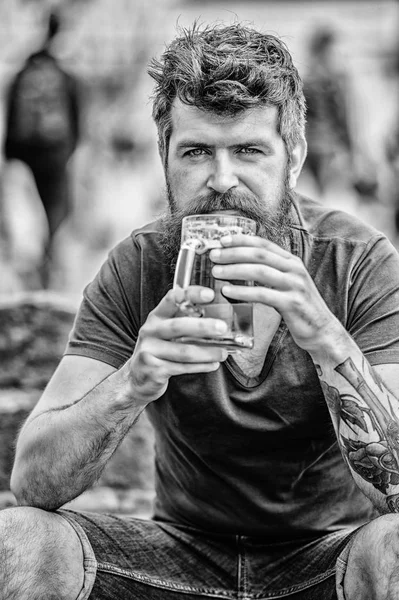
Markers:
<point>144,559</point>
<point>299,570</point>
<point>149,560</point>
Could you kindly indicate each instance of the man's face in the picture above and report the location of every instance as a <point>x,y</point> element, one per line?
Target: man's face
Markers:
<point>235,164</point>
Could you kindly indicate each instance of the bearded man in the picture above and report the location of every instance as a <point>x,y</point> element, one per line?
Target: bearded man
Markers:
<point>273,464</point>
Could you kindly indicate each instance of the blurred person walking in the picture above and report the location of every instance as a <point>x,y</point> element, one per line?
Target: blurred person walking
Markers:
<point>392,143</point>
<point>332,153</point>
<point>42,131</point>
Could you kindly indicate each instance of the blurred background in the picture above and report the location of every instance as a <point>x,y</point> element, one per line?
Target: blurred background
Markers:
<point>63,207</point>
<point>349,48</point>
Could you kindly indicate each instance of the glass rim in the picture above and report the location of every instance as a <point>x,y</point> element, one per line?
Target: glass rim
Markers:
<point>218,215</point>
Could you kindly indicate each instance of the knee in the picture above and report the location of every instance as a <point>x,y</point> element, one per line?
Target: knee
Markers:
<point>380,536</point>
<point>373,561</point>
<point>40,555</point>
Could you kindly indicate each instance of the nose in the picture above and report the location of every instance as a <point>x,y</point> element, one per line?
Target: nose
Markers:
<point>223,177</point>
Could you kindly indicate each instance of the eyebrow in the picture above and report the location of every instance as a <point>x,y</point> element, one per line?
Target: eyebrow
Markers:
<point>196,144</point>
<point>191,144</point>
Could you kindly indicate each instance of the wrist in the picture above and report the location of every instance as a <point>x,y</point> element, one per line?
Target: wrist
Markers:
<point>125,396</point>
<point>333,343</point>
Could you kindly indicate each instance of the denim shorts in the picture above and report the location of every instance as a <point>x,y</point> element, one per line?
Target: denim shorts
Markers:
<point>131,558</point>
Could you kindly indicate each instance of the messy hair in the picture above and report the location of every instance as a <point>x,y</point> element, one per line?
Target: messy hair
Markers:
<point>226,70</point>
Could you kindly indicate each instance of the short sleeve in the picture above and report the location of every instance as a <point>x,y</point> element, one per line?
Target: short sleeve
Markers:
<point>108,320</point>
<point>373,302</point>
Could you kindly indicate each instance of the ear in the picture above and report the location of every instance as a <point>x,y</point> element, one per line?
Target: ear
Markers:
<point>298,156</point>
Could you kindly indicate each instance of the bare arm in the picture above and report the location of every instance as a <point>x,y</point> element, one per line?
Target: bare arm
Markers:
<point>363,401</point>
<point>88,406</point>
<point>72,432</point>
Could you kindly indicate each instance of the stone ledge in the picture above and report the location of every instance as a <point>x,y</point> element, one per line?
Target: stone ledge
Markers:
<point>105,499</point>
<point>34,329</point>
<point>40,298</point>
<point>138,503</point>
<point>13,400</point>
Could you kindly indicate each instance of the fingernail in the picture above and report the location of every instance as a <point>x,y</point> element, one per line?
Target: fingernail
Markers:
<point>214,254</point>
<point>206,295</point>
<point>179,295</point>
<point>216,270</point>
<point>221,326</point>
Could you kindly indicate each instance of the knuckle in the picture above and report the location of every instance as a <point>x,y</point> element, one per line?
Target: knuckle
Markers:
<point>296,262</point>
<point>185,354</point>
<point>259,271</point>
<point>300,285</point>
<point>260,254</point>
<point>170,295</point>
<point>161,375</point>
<point>296,300</point>
<point>148,327</point>
<point>175,327</point>
<point>205,327</point>
<point>145,357</point>
<point>145,330</point>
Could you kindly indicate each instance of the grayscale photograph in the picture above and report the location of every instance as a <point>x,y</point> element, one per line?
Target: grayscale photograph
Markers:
<point>199,300</point>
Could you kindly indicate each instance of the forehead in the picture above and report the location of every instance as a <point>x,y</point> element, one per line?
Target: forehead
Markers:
<point>208,127</point>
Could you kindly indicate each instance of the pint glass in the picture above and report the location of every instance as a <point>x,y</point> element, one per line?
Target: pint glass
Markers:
<point>201,233</point>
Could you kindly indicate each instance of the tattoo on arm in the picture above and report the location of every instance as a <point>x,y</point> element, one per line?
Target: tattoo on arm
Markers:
<point>375,458</point>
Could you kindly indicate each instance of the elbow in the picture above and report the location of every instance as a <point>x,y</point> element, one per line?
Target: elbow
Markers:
<point>20,488</point>
<point>26,494</point>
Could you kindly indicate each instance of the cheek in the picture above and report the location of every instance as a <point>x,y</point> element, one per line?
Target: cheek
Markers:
<point>184,182</point>
<point>267,183</point>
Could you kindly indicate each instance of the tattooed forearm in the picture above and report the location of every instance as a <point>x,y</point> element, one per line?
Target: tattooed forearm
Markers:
<point>367,426</point>
<point>387,422</point>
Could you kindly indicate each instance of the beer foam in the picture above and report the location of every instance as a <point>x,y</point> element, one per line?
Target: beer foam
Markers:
<point>204,235</point>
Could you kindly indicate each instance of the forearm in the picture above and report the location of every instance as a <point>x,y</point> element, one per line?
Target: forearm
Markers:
<point>62,452</point>
<point>365,417</point>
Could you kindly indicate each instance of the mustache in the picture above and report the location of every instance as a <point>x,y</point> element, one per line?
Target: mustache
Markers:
<point>245,203</point>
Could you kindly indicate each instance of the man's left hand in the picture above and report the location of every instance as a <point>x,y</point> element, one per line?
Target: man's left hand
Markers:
<point>282,281</point>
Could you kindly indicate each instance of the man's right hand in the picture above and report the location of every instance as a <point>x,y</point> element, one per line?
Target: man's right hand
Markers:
<point>157,356</point>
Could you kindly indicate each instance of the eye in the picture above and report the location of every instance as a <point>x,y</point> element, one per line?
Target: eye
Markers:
<point>194,152</point>
<point>249,150</point>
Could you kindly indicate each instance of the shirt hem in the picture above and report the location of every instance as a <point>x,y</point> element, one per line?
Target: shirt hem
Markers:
<point>114,360</point>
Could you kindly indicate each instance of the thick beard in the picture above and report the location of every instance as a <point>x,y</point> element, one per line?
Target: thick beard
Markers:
<point>272,226</point>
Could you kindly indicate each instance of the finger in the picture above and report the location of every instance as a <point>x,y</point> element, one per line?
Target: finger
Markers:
<point>172,369</point>
<point>170,329</point>
<point>254,254</point>
<point>254,241</point>
<point>169,305</point>
<point>187,368</point>
<point>260,273</point>
<point>177,352</point>
<point>197,294</point>
<point>264,295</point>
